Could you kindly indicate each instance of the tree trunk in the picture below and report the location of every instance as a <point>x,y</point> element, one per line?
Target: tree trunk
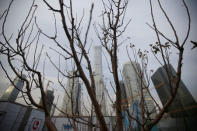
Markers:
<point>50,125</point>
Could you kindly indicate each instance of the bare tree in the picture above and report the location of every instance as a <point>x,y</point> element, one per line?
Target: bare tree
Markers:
<point>111,29</point>
<point>113,20</point>
<point>77,51</point>
<point>76,48</point>
<point>161,51</point>
<point>19,57</point>
<point>162,48</point>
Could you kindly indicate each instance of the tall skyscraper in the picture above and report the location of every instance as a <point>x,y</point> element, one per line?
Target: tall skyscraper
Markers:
<point>72,97</point>
<point>13,90</point>
<point>182,103</point>
<point>50,99</point>
<point>98,76</point>
<point>133,85</point>
<point>123,91</point>
<point>124,103</point>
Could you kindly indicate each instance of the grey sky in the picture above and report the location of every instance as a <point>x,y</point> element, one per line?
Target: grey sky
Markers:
<point>141,35</point>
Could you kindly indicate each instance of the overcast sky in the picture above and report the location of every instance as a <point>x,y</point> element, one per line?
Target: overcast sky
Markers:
<point>140,34</point>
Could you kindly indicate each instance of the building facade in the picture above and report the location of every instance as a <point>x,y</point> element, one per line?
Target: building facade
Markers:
<point>50,99</point>
<point>72,98</point>
<point>12,91</point>
<point>133,85</point>
<point>183,104</point>
<point>123,92</point>
<point>18,117</point>
<point>81,123</point>
<point>98,77</point>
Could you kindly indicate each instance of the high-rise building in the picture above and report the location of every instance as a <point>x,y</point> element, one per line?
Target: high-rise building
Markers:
<point>123,91</point>
<point>72,98</point>
<point>133,86</point>
<point>98,76</point>
<point>50,99</point>
<point>183,103</point>
<point>124,103</point>
<point>13,90</point>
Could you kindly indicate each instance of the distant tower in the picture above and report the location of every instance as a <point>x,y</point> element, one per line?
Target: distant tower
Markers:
<point>98,76</point>
<point>72,98</point>
<point>124,102</point>
<point>183,99</point>
<point>12,92</point>
<point>123,91</point>
<point>98,61</point>
<point>50,99</point>
<point>133,85</point>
